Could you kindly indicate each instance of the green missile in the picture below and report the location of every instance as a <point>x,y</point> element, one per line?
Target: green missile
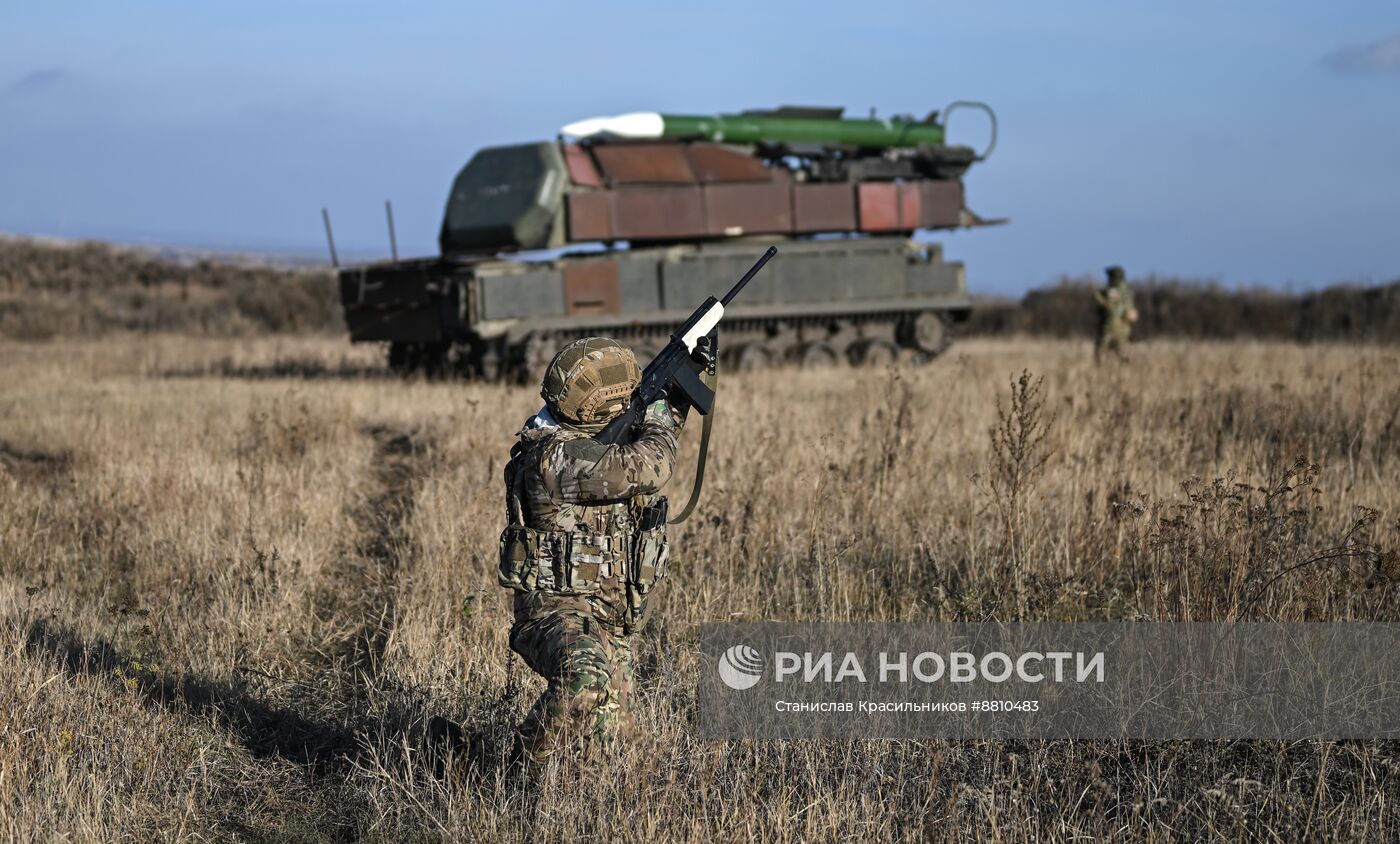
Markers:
<point>753,129</point>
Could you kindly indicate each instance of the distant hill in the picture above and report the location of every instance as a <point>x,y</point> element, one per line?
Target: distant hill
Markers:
<point>51,288</point>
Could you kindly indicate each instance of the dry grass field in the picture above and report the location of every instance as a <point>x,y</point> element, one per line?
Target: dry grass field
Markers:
<point>239,578</point>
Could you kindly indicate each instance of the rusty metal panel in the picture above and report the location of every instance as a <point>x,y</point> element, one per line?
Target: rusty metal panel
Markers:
<point>582,171</point>
<point>590,216</point>
<point>657,213</point>
<point>942,204</point>
<point>909,205</point>
<point>743,209</point>
<point>879,206</point>
<point>714,163</point>
<point>644,164</point>
<point>590,287</point>
<point>823,207</point>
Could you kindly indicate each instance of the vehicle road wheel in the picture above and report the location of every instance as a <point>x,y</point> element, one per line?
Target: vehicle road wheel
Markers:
<point>875,354</point>
<point>749,357</point>
<point>432,359</point>
<point>645,349</point>
<point>927,332</point>
<point>488,366</point>
<point>539,349</point>
<point>818,355</point>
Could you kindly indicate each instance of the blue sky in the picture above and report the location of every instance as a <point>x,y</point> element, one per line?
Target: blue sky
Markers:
<point>1248,142</point>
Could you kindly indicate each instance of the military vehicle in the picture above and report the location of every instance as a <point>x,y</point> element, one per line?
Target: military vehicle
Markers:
<point>623,224</point>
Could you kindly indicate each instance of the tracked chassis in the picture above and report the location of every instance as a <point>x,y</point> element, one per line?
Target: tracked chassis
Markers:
<point>866,301</point>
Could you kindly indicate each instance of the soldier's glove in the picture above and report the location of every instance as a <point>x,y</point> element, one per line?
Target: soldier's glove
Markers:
<point>663,414</point>
<point>706,353</point>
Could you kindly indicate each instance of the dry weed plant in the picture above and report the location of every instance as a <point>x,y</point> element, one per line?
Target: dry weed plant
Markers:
<point>1019,452</point>
<point>247,590</point>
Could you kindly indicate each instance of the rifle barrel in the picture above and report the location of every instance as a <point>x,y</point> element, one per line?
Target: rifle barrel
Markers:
<point>734,291</point>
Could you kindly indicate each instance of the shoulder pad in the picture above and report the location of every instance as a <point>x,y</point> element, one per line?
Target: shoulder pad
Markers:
<point>580,448</point>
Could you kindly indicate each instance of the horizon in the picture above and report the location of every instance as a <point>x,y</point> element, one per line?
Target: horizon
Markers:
<point>1263,155</point>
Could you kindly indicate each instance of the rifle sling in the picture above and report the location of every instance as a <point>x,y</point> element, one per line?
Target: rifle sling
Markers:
<point>700,460</point>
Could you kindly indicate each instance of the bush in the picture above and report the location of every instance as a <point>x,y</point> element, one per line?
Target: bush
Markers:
<point>52,289</point>
<point>1177,308</point>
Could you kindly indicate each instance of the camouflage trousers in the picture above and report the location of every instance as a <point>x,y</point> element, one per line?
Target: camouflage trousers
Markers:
<point>587,662</point>
<point>1112,340</point>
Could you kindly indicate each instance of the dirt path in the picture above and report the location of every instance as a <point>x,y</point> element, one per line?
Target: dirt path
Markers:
<point>356,611</point>
<point>357,601</point>
<point>330,719</point>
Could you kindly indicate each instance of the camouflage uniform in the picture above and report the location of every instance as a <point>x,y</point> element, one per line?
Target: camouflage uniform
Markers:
<point>584,546</point>
<point>1116,315</point>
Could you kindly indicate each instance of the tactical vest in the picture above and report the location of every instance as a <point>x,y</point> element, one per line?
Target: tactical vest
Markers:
<point>622,544</point>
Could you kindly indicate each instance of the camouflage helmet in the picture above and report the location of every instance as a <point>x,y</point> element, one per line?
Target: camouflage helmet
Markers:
<point>1115,273</point>
<point>589,380</point>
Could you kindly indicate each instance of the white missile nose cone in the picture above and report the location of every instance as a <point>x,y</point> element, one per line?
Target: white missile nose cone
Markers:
<point>639,124</point>
<point>584,128</point>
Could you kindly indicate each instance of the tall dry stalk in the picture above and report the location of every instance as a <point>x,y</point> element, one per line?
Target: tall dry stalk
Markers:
<point>1018,456</point>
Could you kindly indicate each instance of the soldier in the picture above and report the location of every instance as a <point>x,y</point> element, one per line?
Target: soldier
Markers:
<point>1116,315</point>
<point>585,542</point>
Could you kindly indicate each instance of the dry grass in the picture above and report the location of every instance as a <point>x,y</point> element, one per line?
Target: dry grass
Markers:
<point>238,580</point>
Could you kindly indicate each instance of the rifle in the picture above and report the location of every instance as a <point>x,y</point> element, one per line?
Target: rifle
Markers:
<point>674,375</point>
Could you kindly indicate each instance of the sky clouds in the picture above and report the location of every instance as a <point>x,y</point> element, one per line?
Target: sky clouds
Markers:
<point>1381,56</point>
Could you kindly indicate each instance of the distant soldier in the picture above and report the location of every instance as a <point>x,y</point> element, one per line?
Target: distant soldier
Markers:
<point>1116,315</point>
<point>585,542</point>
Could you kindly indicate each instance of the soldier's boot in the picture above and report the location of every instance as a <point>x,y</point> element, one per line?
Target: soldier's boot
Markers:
<point>534,741</point>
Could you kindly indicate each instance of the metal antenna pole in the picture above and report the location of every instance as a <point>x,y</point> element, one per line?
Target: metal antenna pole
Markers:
<point>393,241</point>
<point>330,238</point>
